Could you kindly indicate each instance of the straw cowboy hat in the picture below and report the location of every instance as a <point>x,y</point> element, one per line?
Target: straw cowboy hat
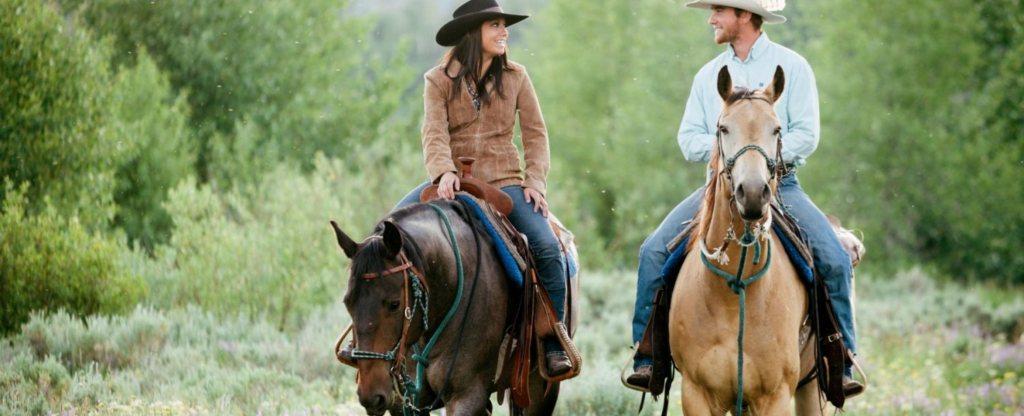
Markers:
<point>764,8</point>
<point>471,15</point>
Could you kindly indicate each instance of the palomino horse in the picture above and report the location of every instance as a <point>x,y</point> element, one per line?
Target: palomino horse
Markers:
<point>408,268</point>
<point>714,314</point>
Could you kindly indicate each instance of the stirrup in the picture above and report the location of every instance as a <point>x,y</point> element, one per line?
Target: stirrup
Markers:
<point>864,384</point>
<point>629,365</point>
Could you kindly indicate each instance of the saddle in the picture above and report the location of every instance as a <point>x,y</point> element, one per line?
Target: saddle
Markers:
<point>830,352</point>
<point>533,318</point>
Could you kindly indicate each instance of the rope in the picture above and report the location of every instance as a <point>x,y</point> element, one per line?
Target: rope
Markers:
<point>732,160</point>
<point>738,286</point>
<point>413,390</point>
<point>462,329</point>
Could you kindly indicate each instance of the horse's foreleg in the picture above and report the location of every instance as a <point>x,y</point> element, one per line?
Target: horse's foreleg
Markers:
<point>776,404</point>
<point>542,404</point>
<point>472,402</point>
<point>809,401</point>
<point>695,399</point>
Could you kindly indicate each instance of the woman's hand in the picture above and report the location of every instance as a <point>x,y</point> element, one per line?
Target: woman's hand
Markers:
<point>448,185</point>
<point>533,195</point>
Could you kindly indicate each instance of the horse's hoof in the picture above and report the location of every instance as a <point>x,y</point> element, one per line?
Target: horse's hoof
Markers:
<point>641,378</point>
<point>558,363</point>
<point>851,387</point>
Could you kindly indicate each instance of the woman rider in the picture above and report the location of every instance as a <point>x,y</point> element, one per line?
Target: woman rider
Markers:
<point>470,103</point>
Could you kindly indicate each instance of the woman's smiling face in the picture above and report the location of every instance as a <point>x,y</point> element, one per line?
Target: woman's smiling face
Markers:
<point>493,36</point>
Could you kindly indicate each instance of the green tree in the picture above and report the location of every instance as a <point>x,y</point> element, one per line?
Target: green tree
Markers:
<point>301,73</point>
<point>613,78</point>
<point>153,125</point>
<point>54,101</point>
<point>918,142</point>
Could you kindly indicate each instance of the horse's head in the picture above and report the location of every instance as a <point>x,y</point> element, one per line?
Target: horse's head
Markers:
<point>377,301</point>
<point>749,143</point>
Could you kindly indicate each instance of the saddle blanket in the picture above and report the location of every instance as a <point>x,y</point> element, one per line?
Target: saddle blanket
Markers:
<point>675,260</point>
<point>514,264</point>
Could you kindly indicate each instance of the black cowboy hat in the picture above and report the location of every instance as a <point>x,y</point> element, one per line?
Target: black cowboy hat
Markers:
<point>472,14</point>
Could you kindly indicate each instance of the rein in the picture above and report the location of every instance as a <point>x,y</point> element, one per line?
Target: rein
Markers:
<point>750,238</point>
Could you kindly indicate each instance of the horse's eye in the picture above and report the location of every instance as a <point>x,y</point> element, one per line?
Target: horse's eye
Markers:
<point>723,130</point>
<point>393,307</point>
<point>778,130</point>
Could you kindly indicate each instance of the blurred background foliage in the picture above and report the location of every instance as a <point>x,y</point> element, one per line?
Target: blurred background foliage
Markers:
<point>187,155</point>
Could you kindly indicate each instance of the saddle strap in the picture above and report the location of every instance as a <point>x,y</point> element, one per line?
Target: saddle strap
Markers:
<point>522,326</point>
<point>661,353</point>
<point>832,353</point>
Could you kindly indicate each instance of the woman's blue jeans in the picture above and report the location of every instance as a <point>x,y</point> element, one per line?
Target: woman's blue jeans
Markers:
<point>830,258</point>
<point>547,251</point>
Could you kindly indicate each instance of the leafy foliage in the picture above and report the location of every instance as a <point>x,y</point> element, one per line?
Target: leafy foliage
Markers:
<point>300,73</point>
<point>917,151</point>
<point>49,263</point>
<point>152,124</point>
<point>54,98</point>
<point>268,249</point>
<point>612,115</point>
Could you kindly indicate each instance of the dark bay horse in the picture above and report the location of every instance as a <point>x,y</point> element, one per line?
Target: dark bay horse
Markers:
<point>405,277</point>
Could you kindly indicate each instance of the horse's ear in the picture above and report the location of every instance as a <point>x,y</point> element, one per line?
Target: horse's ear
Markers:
<point>778,84</point>
<point>347,245</point>
<point>724,83</point>
<point>392,239</point>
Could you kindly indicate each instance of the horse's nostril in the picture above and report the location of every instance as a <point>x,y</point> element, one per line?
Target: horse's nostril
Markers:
<point>379,402</point>
<point>766,193</point>
<point>739,192</point>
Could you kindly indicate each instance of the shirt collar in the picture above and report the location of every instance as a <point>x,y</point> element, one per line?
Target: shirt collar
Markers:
<point>760,45</point>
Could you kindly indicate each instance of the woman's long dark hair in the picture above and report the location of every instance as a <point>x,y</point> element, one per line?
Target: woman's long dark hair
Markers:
<point>469,52</point>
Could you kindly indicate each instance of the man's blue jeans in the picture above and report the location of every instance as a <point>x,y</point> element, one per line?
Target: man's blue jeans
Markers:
<point>830,258</point>
<point>547,251</point>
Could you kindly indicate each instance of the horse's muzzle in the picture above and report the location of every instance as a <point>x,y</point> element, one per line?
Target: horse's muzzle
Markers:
<point>752,199</point>
<point>375,405</point>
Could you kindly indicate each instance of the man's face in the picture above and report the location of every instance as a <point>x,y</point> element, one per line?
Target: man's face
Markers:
<point>726,24</point>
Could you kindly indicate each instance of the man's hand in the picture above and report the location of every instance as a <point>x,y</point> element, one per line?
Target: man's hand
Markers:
<point>448,185</point>
<point>533,195</point>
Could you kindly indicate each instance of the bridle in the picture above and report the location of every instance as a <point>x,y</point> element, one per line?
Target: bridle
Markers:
<point>415,292</point>
<point>775,166</point>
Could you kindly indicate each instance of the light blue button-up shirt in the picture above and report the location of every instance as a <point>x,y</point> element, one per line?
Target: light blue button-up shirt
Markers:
<point>797,109</point>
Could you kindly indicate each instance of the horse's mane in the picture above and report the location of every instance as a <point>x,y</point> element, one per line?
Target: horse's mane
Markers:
<point>370,258</point>
<point>708,204</point>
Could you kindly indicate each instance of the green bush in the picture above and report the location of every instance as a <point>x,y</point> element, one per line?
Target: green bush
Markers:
<point>50,262</point>
<point>54,98</point>
<point>267,249</point>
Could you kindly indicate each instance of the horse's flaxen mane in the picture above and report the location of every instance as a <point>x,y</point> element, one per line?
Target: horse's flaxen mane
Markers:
<point>708,204</point>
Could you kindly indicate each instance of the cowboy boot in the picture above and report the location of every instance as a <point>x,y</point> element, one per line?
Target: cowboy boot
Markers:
<point>851,387</point>
<point>557,363</point>
<point>641,377</point>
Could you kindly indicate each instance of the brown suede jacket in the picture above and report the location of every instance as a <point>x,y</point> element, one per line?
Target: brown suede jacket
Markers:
<point>455,128</point>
